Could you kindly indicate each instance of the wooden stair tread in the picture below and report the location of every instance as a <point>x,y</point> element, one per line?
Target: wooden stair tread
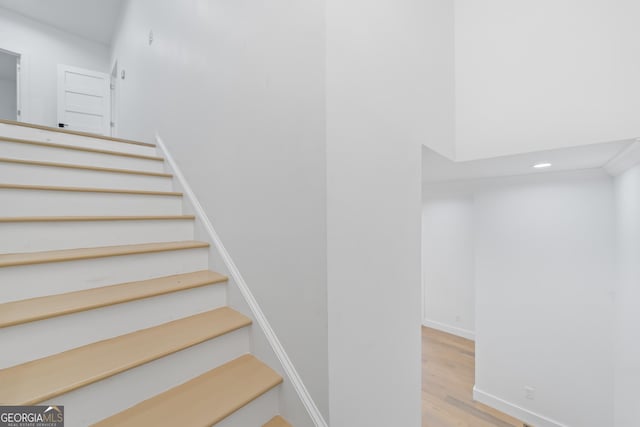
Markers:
<point>277,422</point>
<point>45,378</point>
<point>29,310</point>
<point>79,148</point>
<point>83,167</point>
<point>96,218</point>
<point>73,132</point>
<point>88,190</point>
<point>204,400</point>
<point>29,258</point>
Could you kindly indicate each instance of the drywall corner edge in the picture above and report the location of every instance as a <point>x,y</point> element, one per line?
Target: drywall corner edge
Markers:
<point>625,160</point>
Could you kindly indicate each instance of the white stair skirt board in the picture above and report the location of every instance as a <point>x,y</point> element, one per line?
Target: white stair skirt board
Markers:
<point>48,236</point>
<point>90,404</point>
<point>463,333</point>
<point>515,411</point>
<point>18,202</point>
<point>255,413</point>
<point>261,321</point>
<point>17,150</point>
<point>21,132</point>
<point>16,173</point>
<point>38,339</point>
<point>61,277</point>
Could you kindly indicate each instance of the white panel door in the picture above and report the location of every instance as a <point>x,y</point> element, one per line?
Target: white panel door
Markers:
<point>84,100</point>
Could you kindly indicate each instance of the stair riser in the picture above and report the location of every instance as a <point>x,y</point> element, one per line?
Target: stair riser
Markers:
<point>100,400</point>
<point>13,173</point>
<point>20,151</point>
<point>31,281</point>
<point>34,340</point>
<point>21,132</point>
<point>47,236</point>
<point>68,203</point>
<point>255,413</point>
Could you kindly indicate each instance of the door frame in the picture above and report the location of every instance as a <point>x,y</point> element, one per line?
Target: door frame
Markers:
<point>114,99</point>
<point>22,84</point>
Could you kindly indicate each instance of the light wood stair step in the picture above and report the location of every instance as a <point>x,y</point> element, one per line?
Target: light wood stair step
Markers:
<point>204,400</point>
<point>29,310</point>
<point>88,190</point>
<point>13,260</point>
<point>45,378</point>
<point>82,167</point>
<point>277,422</point>
<point>96,218</point>
<point>73,132</point>
<point>78,148</point>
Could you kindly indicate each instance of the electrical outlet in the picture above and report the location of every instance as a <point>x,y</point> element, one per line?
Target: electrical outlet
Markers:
<point>530,393</point>
<point>458,318</point>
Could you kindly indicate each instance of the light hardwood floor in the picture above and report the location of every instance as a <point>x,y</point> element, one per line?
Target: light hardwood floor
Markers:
<point>447,382</point>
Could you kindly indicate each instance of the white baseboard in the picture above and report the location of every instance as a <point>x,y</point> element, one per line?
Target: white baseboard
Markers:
<point>464,333</point>
<point>515,411</point>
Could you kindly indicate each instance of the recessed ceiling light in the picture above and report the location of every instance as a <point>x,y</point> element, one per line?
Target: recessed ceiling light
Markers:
<point>542,165</point>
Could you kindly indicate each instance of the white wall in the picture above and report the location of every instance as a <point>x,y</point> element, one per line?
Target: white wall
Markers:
<point>378,87</point>
<point>236,91</point>
<point>545,275</point>
<point>627,350</point>
<point>8,99</point>
<point>540,74</point>
<point>448,261</point>
<point>43,48</point>
<point>438,44</point>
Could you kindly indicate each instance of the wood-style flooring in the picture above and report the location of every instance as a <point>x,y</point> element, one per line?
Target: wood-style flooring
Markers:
<point>448,371</point>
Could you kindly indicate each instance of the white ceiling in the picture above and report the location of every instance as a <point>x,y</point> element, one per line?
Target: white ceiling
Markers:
<point>92,19</point>
<point>436,168</point>
<point>7,66</point>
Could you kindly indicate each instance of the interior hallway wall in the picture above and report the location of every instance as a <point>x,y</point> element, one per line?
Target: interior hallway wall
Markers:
<point>627,336</point>
<point>448,260</point>
<point>545,277</point>
<point>236,91</point>
<point>44,47</point>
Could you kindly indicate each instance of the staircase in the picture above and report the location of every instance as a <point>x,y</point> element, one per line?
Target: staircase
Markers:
<point>107,303</point>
